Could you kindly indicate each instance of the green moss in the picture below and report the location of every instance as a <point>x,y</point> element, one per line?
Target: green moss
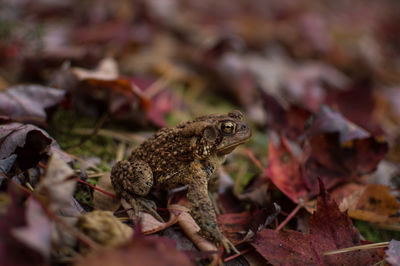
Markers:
<point>62,128</point>
<point>374,234</point>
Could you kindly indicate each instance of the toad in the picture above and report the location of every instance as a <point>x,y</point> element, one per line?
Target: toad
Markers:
<point>185,155</point>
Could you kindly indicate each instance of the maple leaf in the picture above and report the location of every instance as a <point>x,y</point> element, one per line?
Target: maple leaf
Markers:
<point>329,229</point>
<point>339,150</point>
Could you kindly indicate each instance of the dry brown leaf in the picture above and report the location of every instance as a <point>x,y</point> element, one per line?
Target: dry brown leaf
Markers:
<point>374,204</point>
<point>149,224</point>
<point>190,228</point>
<point>102,201</point>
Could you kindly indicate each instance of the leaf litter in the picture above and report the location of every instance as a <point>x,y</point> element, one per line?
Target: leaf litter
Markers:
<point>320,91</point>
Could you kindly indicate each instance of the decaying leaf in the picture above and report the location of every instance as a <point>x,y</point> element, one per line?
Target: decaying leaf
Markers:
<point>14,250</point>
<point>148,223</point>
<point>374,203</point>
<point>329,229</point>
<point>58,184</point>
<point>140,251</point>
<point>37,232</point>
<point>239,227</point>
<point>30,143</point>
<point>393,253</point>
<point>190,228</point>
<point>27,103</point>
<point>102,201</point>
<point>339,150</point>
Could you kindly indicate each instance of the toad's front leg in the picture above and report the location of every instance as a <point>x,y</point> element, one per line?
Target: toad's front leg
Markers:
<point>203,213</point>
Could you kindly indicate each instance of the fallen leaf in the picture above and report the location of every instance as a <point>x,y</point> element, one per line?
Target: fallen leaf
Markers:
<point>37,232</point>
<point>102,201</point>
<point>339,151</point>
<point>5,166</point>
<point>28,103</point>
<point>14,218</point>
<point>329,229</point>
<point>239,227</point>
<point>107,69</point>
<point>393,253</point>
<point>30,143</point>
<point>284,170</point>
<point>140,251</point>
<point>190,228</point>
<point>374,204</point>
<point>58,184</point>
<point>149,224</point>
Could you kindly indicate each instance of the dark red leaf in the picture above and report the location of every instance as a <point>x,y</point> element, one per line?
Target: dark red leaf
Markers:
<point>339,151</point>
<point>141,251</point>
<point>236,226</point>
<point>329,229</point>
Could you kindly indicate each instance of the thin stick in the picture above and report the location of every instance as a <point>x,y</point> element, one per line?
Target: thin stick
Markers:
<point>236,255</point>
<point>98,189</point>
<point>290,216</point>
<point>361,247</point>
<point>121,136</point>
<point>254,159</point>
<point>94,132</point>
<point>81,160</point>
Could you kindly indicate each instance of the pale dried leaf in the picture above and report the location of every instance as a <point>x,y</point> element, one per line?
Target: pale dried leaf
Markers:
<point>102,201</point>
<point>106,70</point>
<point>57,185</point>
<point>37,233</point>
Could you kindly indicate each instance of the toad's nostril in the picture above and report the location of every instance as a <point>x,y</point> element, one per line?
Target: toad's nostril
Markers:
<point>243,127</point>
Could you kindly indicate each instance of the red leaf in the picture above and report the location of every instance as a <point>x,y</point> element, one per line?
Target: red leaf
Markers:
<point>329,229</point>
<point>339,151</point>
<point>284,170</point>
<point>141,251</point>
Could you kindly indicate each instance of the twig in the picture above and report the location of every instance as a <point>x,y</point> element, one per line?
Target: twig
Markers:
<point>360,247</point>
<point>121,136</point>
<point>290,216</point>
<point>120,151</point>
<point>236,255</point>
<point>98,189</point>
<point>254,159</point>
<point>94,132</point>
<point>81,161</point>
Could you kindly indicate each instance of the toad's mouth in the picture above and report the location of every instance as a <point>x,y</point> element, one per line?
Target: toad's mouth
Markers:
<point>229,148</point>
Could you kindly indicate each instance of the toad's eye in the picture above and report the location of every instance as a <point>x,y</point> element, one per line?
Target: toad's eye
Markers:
<point>228,127</point>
